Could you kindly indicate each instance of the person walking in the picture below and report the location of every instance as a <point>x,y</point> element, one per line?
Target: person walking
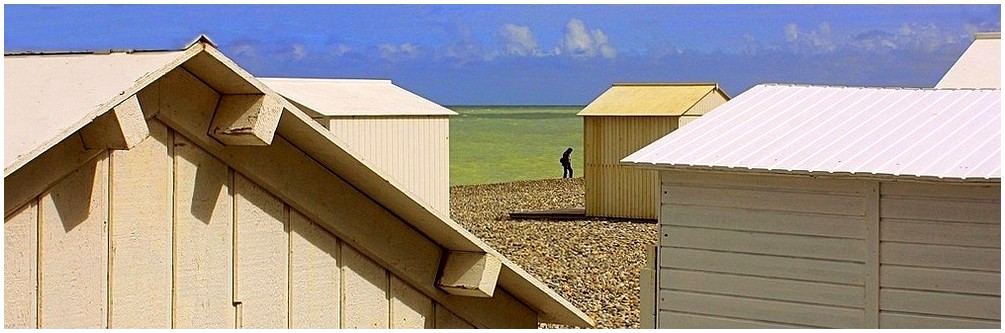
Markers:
<point>566,163</point>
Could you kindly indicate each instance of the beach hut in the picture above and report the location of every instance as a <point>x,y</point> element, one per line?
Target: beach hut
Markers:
<point>820,206</point>
<point>623,119</point>
<point>391,128</point>
<point>171,189</point>
<point>980,65</point>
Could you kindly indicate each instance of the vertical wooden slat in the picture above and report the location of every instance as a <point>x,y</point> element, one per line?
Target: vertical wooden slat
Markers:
<point>446,319</point>
<point>140,233</point>
<point>364,301</point>
<point>262,247</point>
<point>872,227</point>
<point>409,307</point>
<point>74,249</point>
<point>204,239</point>
<point>315,290</point>
<point>20,260</point>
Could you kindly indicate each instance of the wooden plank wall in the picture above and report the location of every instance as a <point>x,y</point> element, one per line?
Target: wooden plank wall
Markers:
<point>167,236</point>
<point>613,190</point>
<point>940,256</point>
<point>748,252</point>
<point>415,150</point>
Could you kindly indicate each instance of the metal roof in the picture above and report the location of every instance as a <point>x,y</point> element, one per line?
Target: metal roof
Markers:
<point>980,65</point>
<point>354,97</point>
<point>928,133</point>
<point>49,94</point>
<point>649,99</point>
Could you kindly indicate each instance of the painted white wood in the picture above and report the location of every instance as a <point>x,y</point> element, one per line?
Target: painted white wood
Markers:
<point>365,301</point>
<point>766,243</point>
<point>760,182</point>
<point>762,287</point>
<point>470,274</point>
<point>203,263</point>
<point>246,119</point>
<point>941,210</point>
<point>764,221</point>
<point>982,192</point>
<point>928,232</point>
<point>409,307</point>
<point>947,304</point>
<point>758,309</point>
<point>916,321</point>
<point>941,256</point>
<point>765,199</point>
<point>20,274</point>
<point>140,233</point>
<point>315,277</point>
<point>872,239</point>
<point>449,320</point>
<point>935,279</point>
<point>122,128</point>
<point>262,250</point>
<point>670,319</point>
<point>73,251</point>
<point>649,282</point>
<point>763,265</point>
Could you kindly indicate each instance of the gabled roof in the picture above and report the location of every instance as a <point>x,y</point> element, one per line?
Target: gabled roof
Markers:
<point>354,97</point>
<point>46,95</point>
<point>649,99</point>
<point>86,95</point>
<point>980,65</point>
<point>926,133</point>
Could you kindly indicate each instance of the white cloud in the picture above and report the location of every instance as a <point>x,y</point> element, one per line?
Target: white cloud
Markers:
<point>245,49</point>
<point>578,42</point>
<point>340,49</point>
<point>399,52</point>
<point>813,42</point>
<point>519,40</point>
<point>299,51</point>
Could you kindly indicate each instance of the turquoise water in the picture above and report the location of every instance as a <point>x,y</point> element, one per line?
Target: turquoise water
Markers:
<point>494,144</point>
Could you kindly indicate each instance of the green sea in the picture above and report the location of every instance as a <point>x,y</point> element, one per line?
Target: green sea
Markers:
<point>495,144</point>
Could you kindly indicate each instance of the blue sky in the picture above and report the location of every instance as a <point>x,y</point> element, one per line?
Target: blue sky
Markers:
<point>536,54</point>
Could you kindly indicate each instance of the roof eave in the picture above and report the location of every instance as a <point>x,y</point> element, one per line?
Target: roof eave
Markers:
<point>822,174</point>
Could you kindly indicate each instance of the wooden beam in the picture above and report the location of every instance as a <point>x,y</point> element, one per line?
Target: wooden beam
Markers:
<point>246,120</point>
<point>470,274</point>
<point>45,170</point>
<point>122,128</point>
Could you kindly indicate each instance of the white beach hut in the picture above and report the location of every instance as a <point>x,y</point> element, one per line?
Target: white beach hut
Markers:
<point>980,66</point>
<point>392,128</point>
<point>818,206</point>
<point>171,189</point>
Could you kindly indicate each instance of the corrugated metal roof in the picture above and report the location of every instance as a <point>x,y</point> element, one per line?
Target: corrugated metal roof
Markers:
<point>930,133</point>
<point>648,99</point>
<point>354,97</point>
<point>980,65</point>
<point>49,94</point>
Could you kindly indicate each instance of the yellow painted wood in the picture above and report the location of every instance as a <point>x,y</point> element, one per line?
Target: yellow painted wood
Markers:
<point>409,307</point>
<point>941,256</point>
<point>763,287</point>
<point>763,265</point>
<point>470,274</point>
<point>246,119</point>
<point>20,260</point>
<point>315,277</point>
<point>204,215</point>
<point>759,309</point>
<point>670,319</point>
<point>448,320</point>
<point>140,280</point>
<point>764,221</point>
<point>122,128</point>
<point>766,243</point>
<point>916,321</point>
<point>262,256</point>
<point>611,189</point>
<point>947,304</point>
<point>74,249</point>
<point>365,301</point>
<point>936,279</point>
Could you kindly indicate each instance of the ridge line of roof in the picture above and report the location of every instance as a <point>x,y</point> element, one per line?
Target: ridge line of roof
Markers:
<point>321,79</point>
<point>665,84</point>
<point>810,85</point>
<point>87,52</point>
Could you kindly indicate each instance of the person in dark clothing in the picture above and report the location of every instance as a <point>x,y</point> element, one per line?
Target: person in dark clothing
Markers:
<point>566,163</point>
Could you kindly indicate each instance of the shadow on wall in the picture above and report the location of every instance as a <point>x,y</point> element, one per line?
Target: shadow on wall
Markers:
<point>74,195</point>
